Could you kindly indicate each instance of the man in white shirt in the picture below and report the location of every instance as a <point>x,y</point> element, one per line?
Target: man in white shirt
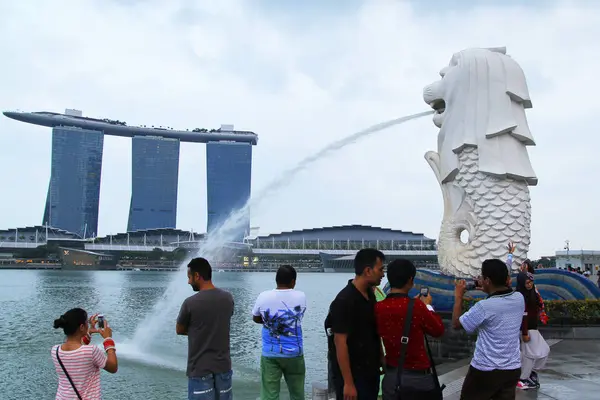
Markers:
<point>496,365</point>
<point>280,311</point>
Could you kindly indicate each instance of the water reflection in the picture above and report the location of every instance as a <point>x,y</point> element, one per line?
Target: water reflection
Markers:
<point>68,289</point>
<point>243,330</point>
<point>17,285</point>
<point>138,296</point>
<point>140,291</point>
<point>31,300</point>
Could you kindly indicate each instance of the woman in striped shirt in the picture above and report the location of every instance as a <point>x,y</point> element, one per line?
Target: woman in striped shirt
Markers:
<point>77,362</point>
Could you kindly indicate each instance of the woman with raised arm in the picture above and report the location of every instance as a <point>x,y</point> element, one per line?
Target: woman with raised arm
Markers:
<point>77,362</point>
<point>534,349</point>
<point>527,266</point>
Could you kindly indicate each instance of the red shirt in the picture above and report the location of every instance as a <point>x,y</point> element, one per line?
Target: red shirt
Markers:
<point>390,314</point>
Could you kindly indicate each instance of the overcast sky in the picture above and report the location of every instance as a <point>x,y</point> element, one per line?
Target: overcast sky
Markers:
<point>299,74</point>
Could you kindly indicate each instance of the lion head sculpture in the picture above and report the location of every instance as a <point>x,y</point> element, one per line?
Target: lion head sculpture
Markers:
<point>480,101</point>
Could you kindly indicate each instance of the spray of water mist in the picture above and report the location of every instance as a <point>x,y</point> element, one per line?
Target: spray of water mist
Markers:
<point>160,321</point>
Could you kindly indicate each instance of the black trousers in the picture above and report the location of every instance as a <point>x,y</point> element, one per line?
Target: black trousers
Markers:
<point>367,387</point>
<point>490,385</point>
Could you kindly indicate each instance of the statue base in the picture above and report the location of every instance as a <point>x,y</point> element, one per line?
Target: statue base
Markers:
<point>553,284</point>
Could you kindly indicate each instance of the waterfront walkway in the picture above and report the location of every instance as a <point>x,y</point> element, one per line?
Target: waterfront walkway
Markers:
<point>572,372</point>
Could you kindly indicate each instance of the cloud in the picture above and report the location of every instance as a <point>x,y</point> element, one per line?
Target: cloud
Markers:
<point>300,76</point>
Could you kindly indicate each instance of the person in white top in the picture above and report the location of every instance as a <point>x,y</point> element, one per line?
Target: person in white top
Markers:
<point>496,365</point>
<point>280,311</point>
<point>76,361</point>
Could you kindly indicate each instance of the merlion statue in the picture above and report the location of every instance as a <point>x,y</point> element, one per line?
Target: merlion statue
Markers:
<point>481,163</point>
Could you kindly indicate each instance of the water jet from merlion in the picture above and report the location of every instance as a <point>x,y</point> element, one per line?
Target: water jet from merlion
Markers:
<point>159,323</point>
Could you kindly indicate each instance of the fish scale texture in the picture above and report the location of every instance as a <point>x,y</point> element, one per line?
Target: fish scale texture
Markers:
<point>501,211</point>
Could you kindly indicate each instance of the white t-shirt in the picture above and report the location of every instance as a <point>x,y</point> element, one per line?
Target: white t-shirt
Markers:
<point>282,311</point>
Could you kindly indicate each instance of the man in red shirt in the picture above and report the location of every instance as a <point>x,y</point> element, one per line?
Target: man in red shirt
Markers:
<point>390,315</point>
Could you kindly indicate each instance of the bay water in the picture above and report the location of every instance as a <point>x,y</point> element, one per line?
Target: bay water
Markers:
<point>31,300</point>
<point>145,340</point>
<point>142,308</point>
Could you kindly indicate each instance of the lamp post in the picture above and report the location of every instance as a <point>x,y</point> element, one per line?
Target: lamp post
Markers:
<point>567,249</point>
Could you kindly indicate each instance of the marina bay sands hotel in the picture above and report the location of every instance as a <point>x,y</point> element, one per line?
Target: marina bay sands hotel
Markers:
<point>73,196</point>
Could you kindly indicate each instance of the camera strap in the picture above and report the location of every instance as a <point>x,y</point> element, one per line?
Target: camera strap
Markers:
<point>66,373</point>
<point>404,342</point>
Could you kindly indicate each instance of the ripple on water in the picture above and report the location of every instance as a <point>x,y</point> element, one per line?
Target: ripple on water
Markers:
<point>26,334</point>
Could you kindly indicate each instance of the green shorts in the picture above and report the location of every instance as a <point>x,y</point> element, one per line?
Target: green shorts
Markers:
<point>272,369</point>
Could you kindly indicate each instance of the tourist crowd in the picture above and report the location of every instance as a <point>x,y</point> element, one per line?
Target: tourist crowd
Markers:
<point>374,347</point>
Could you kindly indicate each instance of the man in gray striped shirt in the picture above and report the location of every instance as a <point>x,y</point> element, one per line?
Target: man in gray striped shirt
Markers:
<point>496,364</point>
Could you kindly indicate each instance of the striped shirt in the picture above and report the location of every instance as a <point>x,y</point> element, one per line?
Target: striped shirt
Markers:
<point>83,365</point>
<point>497,321</point>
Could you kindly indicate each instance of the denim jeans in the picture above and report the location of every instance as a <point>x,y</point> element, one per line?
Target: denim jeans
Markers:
<point>211,387</point>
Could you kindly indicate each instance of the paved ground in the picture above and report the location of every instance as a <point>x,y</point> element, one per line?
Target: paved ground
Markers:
<point>572,373</point>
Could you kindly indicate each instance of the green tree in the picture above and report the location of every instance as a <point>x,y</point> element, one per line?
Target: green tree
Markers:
<point>546,262</point>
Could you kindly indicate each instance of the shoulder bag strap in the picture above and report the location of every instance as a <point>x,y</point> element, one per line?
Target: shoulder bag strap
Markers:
<point>436,379</point>
<point>404,342</point>
<point>67,374</point>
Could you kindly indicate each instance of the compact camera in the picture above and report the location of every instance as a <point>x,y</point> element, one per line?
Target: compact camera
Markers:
<point>101,321</point>
<point>473,285</point>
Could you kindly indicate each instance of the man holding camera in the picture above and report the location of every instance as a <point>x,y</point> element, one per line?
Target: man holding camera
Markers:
<point>496,365</point>
<point>391,315</point>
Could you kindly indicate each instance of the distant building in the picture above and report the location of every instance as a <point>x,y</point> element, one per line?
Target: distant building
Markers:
<point>154,180</point>
<point>228,183</point>
<point>587,260</point>
<point>77,143</point>
<point>82,259</point>
<point>145,240</point>
<point>330,249</point>
<point>73,196</point>
<point>31,237</point>
<point>35,244</point>
<point>333,248</point>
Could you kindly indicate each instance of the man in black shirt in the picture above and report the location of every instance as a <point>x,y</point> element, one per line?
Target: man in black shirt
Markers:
<point>355,351</point>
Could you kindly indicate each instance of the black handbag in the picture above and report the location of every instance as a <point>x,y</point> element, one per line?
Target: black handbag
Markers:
<point>416,392</point>
<point>67,374</point>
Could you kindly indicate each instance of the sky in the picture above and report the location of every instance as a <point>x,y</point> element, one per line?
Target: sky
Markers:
<point>300,75</point>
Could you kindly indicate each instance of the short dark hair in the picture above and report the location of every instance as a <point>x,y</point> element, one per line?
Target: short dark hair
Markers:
<point>71,321</point>
<point>496,271</point>
<point>202,267</point>
<point>399,272</point>
<point>366,258</point>
<point>286,274</point>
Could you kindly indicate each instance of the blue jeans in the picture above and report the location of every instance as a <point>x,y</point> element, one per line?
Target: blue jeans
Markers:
<point>211,387</point>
